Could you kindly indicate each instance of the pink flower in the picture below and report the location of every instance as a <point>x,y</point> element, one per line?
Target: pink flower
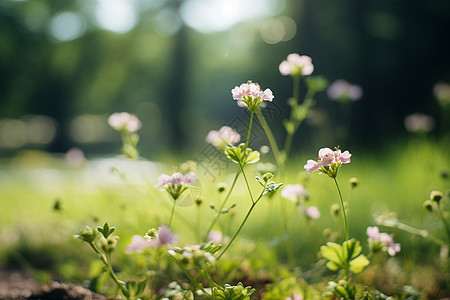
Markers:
<point>250,94</point>
<point>138,243</point>
<point>441,91</point>
<point>386,240</point>
<point>329,161</point>
<point>343,157</point>
<point>372,232</point>
<point>253,90</point>
<point>294,296</point>
<point>343,90</point>
<point>312,212</point>
<point>75,157</point>
<point>215,236</point>
<point>311,166</point>
<point>124,121</point>
<point>419,122</point>
<point>296,64</point>
<point>165,236</point>
<point>175,179</point>
<point>225,136</point>
<point>293,192</point>
<point>326,156</point>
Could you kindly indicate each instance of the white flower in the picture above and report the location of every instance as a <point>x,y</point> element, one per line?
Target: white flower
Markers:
<point>296,64</point>
<point>124,121</point>
<point>225,136</point>
<point>293,192</point>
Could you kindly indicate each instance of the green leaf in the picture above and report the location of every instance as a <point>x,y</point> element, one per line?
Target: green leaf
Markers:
<point>266,177</point>
<point>253,157</point>
<point>359,263</point>
<point>259,180</point>
<point>141,287</point>
<point>352,249</point>
<point>333,252</point>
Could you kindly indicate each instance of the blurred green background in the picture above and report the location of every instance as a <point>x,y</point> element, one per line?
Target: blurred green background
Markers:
<point>67,65</point>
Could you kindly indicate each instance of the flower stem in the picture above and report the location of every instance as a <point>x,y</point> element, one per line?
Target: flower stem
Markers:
<point>171,214</point>
<point>238,172</point>
<point>249,130</point>
<point>108,266</point>
<point>419,232</point>
<point>239,230</point>
<point>270,137</point>
<point>447,229</point>
<point>246,183</point>
<point>344,215</point>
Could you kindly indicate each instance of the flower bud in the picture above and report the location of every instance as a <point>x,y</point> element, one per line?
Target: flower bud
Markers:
<point>109,244</point>
<point>335,210</point>
<point>327,232</point>
<point>152,234</point>
<point>198,201</point>
<point>436,196</point>
<point>428,205</point>
<point>87,234</point>
<point>353,182</point>
<point>221,187</point>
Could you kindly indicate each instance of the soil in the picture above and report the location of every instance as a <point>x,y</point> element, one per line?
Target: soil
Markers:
<point>17,285</point>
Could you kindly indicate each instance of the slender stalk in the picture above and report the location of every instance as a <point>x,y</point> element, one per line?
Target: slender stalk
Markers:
<point>447,229</point>
<point>108,266</point>
<point>247,184</point>
<point>249,130</point>
<point>239,229</point>
<point>420,232</point>
<point>194,281</point>
<point>270,137</point>
<point>344,215</point>
<point>214,221</point>
<point>171,214</point>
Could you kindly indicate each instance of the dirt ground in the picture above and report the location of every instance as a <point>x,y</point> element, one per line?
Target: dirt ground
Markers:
<point>17,285</point>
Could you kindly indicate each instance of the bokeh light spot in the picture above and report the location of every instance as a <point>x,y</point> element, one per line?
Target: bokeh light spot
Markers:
<point>118,16</point>
<point>210,16</point>
<point>13,133</point>
<point>272,31</point>
<point>41,130</point>
<point>66,26</point>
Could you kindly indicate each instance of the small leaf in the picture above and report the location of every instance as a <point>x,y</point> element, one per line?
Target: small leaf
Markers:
<point>253,157</point>
<point>266,177</point>
<point>358,264</point>
<point>333,252</point>
<point>141,287</point>
<point>259,180</point>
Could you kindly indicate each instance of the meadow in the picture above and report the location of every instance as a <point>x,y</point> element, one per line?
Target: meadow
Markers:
<point>45,202</point>
<point>237,220</point>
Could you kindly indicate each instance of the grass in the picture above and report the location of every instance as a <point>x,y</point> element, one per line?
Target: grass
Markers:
<point>34,235</point>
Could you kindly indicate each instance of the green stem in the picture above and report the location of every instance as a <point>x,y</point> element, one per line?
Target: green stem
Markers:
<point>108,266</point>
<point>420,232</point>
<point>344,215</point>
<point>444,223</point>
<point>238,172</point>
<point>239,230</point>
<point>249,130</point>
<point>171,214</point>
<point>194,281</point>
<point>270,137</point>
<point>247,184</point>
<point>296,87</point>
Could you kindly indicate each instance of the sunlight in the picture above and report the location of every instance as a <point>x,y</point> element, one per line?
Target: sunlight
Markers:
<point>209,16</point>
<point>118,16</point>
